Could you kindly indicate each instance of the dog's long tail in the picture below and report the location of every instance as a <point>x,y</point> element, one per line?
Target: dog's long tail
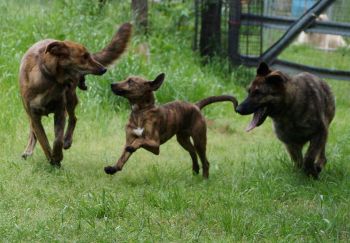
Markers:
<point>115,47</point>
<point>213,99</point>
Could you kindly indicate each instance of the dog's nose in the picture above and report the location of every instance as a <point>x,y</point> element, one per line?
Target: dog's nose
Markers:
<point>102,71</point>
<point>239,109</point>
<point>111,86</point>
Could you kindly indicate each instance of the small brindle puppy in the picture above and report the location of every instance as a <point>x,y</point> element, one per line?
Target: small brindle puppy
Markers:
<point>301,108</point>
<point>150,125</point>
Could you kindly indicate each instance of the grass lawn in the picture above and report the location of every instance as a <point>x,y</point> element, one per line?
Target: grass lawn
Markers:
<point>253,193</point>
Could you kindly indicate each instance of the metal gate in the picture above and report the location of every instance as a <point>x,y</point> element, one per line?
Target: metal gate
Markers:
<point>267,30</point>
<point>264,31</point>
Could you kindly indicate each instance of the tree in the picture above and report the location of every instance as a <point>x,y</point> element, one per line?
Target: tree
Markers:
<point>140,14</point>
<point>210,41</point>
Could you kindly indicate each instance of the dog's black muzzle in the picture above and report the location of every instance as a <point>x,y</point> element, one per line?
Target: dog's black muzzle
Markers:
<point>102,71</point>
<point>247,107</point>
<point>118,91</point>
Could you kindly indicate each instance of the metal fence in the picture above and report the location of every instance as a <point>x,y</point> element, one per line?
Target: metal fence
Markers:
<point>284,33</point>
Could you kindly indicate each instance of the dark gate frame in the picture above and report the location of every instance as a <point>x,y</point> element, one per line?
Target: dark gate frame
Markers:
<point>307,22</point>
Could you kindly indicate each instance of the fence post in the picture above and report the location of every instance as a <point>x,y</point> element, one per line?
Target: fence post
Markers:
<point>196,24</point>
<point>234,24</point>
<point>210,33</point>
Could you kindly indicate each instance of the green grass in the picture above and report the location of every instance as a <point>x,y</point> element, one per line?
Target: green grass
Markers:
<point>253,193</point>
<point>305,54</point>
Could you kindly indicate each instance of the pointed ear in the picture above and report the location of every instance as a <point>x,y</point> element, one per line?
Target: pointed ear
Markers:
<point>57,48</point>
<point>275,78</point>
<point>263,69</point>
<point>155,84</point>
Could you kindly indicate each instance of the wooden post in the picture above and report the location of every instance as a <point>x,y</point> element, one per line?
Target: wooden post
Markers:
<point>210,36</point>
<point>233,31</point>
<point>140,14</point>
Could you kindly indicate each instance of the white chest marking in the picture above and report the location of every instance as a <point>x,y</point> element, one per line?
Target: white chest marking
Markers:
<point>38,101</point>
<point>138,131</point>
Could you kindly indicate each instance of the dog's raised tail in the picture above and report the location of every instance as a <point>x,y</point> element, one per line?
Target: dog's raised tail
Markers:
<point>219,98</point>
<point>115,47</point>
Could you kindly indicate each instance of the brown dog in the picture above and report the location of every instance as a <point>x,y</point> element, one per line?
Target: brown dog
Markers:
<point>49,74</point>
<point>301,108</point>
<point>150,125</point>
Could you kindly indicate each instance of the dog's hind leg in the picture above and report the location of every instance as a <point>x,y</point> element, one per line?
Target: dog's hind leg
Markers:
<point>72,101</point>
<point>41,135</point>
<point>295,152</point>
<point>199,137</point>
<point>31,144</point>
<point>316,149</point>
<point>322,160</point>
<point>185,142</point>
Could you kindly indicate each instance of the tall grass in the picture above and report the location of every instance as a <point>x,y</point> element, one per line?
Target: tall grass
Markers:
<point>253,193</point>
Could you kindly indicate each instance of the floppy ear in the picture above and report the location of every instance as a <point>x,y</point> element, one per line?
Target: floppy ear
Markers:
<point>155,84</point>
<point>263,69</point>
<point>57,48</point>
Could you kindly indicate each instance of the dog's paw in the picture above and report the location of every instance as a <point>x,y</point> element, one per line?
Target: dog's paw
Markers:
<point>312,171</point>
<point>195,173</point>
<point>56,159</point>
<point>110,170</point>
<point>130,149</point>
<point>67,143</point>
<point>25,155</point>
<point>82,87</point>
<point>318,168</point>
<point>55,163</point>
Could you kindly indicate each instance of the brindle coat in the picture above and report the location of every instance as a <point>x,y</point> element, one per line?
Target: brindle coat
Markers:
<point>301,108</point>
<point>49,74</point>
<point>150,126</point>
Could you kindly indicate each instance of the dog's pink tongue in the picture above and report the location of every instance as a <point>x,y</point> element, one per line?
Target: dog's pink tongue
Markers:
<point>254,122</point>
<point>258,115</point>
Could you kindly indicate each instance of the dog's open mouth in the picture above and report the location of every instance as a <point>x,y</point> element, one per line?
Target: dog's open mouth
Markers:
<point>258,118</point>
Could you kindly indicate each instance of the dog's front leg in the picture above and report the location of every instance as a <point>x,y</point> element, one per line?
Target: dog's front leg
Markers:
<point>59,123</point>
<point>40,134</point>
<point>295,152</point>
<point>316,148</point>
<point>120,163</point>
<point>131,147</point>
<point>72,101</point>
<point>151,145</point>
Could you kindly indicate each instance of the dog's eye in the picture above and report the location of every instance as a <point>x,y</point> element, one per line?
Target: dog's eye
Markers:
<point>130,82</point>
<point>86,56</point>
<point>257,92</point>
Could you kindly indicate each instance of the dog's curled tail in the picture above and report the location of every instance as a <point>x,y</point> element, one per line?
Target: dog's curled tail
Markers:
<point>115,47</point>
<point>220,98</point>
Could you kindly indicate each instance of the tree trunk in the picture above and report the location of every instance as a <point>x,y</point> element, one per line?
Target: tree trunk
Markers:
<point>210,41</point>
<point>140,14</point>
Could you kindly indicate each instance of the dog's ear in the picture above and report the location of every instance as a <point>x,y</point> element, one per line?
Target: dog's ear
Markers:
<point>275,78</point>
<point>155,84</point>
<point>263,69</point>
<point>57,48</point>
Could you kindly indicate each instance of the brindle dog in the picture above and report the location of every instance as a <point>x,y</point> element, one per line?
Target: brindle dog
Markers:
<point>49,74</point>
<point>301,108</point>
<point>150,125</point>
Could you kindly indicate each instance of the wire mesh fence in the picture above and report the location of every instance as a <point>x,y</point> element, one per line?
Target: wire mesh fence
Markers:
<point>322,47</point>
